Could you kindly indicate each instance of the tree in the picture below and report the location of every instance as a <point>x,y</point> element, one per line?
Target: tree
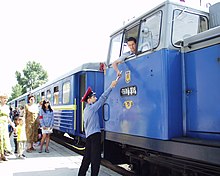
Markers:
<point>33,76</point>
<point>16,92</point>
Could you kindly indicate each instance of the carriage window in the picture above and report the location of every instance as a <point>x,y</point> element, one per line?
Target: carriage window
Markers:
<point>42,96</point>
<point>21,102</point>
<point>38,97</point>
<point>49,95</point>
<point>186,24</point>
<point>115,48</point>
<point>56,95</point>
<point>150,32</point>
<point>66,92</point>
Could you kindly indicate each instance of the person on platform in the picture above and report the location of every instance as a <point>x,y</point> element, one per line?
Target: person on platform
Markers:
<point>46,122</point>
<point>31,122</point>
<point>92,130</point>
<point>5,145</point>
<point>21,138</point>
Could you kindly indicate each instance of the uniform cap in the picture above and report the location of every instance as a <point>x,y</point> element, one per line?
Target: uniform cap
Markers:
<point>89,93</point>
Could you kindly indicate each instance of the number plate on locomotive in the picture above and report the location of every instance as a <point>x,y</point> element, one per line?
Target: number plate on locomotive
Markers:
<point>128,91</point>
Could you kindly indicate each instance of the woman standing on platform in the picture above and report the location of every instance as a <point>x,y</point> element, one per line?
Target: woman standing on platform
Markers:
<point>46,123</point>
<point>4,121</point>
<point>32,123</point>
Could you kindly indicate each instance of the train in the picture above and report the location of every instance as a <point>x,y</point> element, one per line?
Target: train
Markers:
<point>64,94</point>
<point>163,117</point>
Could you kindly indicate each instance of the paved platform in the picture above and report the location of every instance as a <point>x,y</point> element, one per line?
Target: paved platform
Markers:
<point>59,162</point>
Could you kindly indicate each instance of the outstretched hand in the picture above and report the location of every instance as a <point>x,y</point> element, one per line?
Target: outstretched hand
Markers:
<point>113,84</point>
<point>119,73</point>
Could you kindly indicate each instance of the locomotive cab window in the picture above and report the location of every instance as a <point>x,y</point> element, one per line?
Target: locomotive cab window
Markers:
<point>187,24</point>
<point>115,47</point>
<point>150,32</point>
<point>132,32</point>
<point>119,45</point>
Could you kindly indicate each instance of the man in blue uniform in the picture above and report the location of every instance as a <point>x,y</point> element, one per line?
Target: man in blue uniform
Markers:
<point>92,130</point>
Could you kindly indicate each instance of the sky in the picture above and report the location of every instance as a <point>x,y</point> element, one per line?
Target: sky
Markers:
<point>59,34</point>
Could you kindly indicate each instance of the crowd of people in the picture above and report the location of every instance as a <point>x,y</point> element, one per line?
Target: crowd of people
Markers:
<point>29,125</point>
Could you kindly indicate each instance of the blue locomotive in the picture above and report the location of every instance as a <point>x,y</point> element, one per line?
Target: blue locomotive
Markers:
<point>165,109</point>
<point>163,117</point>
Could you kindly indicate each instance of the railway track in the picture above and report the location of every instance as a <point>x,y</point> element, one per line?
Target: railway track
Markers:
<point>68,143</point>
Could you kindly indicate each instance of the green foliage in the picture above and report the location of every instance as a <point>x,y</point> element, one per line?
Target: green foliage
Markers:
<point>16,92</point>
<point>32,77</point>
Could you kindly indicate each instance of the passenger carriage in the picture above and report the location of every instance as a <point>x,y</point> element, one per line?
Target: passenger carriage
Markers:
<point>65,93</point>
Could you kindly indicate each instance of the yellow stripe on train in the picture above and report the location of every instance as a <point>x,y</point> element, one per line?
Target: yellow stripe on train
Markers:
<point>65,107</point>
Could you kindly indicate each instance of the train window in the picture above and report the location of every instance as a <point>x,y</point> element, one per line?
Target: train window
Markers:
<point>12,105</point>
<point>203,24</point>
<point>187,24</point>
<point>150,32</point>
<point>119,43</point>
<point>66,92</point>
<point>133,32</point>
<point>49,95</point>
<point>115,47</point>
<point>56,95</point>
<point>42,96</point>
<point>38,97</point>
<point>21,102</point>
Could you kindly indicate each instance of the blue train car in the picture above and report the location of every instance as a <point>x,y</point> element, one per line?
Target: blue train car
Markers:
<point>65,94</point>
<point>160,111</point>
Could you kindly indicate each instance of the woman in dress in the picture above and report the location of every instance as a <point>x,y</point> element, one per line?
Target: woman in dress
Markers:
<point>32,123</point>
<point>5,144</point>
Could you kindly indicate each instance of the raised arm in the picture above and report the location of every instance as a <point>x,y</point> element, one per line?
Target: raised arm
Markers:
<point>104,96</point>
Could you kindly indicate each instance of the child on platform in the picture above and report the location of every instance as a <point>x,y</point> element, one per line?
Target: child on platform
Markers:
<point>21,139</point>
<point>16,122</point>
